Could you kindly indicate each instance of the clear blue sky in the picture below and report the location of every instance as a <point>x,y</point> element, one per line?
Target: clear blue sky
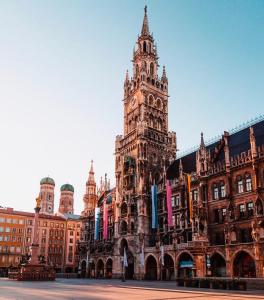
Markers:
<point>62,66</point>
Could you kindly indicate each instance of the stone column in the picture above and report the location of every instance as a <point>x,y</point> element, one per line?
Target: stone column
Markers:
<point>35,240</point>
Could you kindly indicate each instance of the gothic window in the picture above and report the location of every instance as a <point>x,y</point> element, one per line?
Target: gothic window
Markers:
<point>144,47</point>
<point>240,187</point>
<point>151,69</point>
<point>216,192</point>
<point>177,220</point>
<point>223,214</point>
<point>250,208</point>
<point>248,184</point>
<point>158,104</point>
<point>123,209</point>
<point>172,201</point>
<point>149,47</point>
<point>242,210</point>
<point>195,196</point>
<point>223,190</point>
<point>151,100</point>
<point>177,201</point>
<point>137,70</point>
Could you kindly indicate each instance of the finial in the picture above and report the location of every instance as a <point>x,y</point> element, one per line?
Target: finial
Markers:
<point>127,75</point>
<point>145,26</point>
<point>164,75</point>
<point>202,140</point>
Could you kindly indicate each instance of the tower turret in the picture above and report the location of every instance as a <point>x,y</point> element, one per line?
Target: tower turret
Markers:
<point>90,196</point>
<point>66,199</point>
<point>47,186</point>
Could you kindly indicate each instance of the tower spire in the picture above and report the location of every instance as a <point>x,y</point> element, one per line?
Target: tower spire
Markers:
<point>91,174</point>
<point>202,141</point>
<point>145,26</point>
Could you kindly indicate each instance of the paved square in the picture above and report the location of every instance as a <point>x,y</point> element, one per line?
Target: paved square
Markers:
<point>114,290</point>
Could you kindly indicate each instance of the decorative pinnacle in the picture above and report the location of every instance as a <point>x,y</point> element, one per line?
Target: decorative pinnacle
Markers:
<point>145,26</point>
<point>127,76</point>
<point>164,75</point>
<point>202,140</point>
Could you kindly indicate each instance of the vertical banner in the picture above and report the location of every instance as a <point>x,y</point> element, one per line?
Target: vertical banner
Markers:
<point>169,204</point>
<point>189,195</point>
<point>125,258</point>
<point>162,255</point>
<point>154,201</point>
<point>96,223</point>
<point>105,220</point>
<point>142,257</point>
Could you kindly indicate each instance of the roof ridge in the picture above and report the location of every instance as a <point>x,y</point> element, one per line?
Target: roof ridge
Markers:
<point>216,138</point>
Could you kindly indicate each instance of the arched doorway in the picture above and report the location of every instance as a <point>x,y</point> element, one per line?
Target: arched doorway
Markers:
<point>92,269</point>
<point>100,269</point>
<point>244,265</point>
<point>151,268</point>
<point>168,268</point>
<point>218,265</point>
<point>109,268</point>
<point>129,270</point>
<point>83,269</point>
<point>185,266</point>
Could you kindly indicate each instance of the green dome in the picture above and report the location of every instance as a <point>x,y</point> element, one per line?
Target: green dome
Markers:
<point>67,187</point>
<point>47,180</point>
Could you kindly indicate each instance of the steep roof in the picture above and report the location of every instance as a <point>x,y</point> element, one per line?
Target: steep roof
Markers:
<point>238,142</point>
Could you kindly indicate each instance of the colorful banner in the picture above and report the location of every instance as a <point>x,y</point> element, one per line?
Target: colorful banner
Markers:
<point>189,195</point>
<point>169,204</point>
<point>105,220</point>
<point>97,223</point>
<point>154,201</point>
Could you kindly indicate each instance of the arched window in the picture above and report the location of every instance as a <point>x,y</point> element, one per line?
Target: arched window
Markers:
<point>144,47</point>
<point>248,183</point>
<point>137,70</point>
<point>151,100</point>
<point>151,69</point>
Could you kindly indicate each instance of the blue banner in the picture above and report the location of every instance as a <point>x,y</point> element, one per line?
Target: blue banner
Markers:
<point>96,223</point>
<point>154,201</point>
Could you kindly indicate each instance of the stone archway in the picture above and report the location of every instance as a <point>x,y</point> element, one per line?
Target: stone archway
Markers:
<point>92,269</point>
<point>109,268</point>
<point>151,268</point>
<point>185,265</point>
<point>244,265</point>
<point>168,268</point>
<point>129,270</point>
<point>100,269</point>
<point>218,265</point>
<point>83,268</point>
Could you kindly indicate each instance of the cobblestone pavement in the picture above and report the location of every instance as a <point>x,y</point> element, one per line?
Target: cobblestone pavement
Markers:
<point>114,290</point>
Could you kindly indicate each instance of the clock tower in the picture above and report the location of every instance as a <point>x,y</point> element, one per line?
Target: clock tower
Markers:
<point>146,146</point>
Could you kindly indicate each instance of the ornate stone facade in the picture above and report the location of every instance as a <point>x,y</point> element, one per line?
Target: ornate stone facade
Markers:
<point>217,193</point>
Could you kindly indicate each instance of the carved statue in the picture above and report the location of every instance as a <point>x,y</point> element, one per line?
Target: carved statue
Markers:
<point>38,200</point>
<point>255,232</point>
